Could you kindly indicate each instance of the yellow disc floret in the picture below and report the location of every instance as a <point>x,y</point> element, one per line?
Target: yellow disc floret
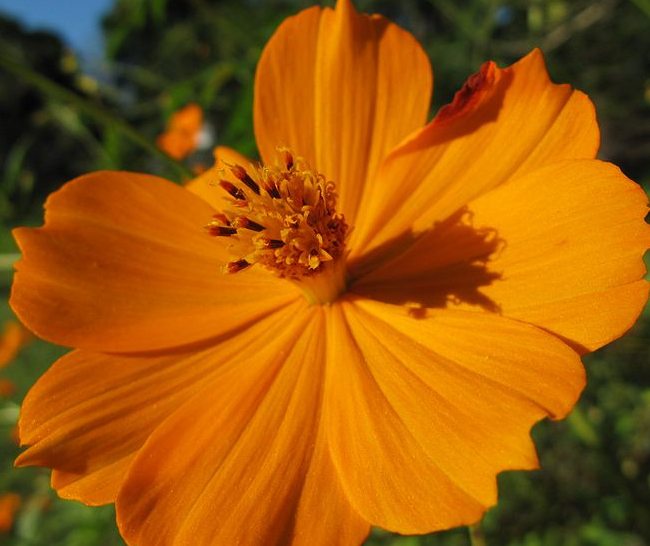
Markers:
<point>282,217</point>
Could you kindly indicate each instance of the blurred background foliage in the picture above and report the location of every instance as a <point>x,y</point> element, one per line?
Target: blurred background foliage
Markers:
<point>160,55</point>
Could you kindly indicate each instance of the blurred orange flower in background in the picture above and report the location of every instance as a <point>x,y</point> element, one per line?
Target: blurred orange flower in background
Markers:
<point>9,506</point>
<point>7,387</point>
<point>383,308</point>
<point>14,336</point>
<point>181,137</point>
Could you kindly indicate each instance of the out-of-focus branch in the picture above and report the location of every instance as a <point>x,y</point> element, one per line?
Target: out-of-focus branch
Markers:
<point>94,111</point>
<point>563,32</point>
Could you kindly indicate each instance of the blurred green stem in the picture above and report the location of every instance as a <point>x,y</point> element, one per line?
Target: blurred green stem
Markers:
<point>96,112</point>
<point>476,535</point>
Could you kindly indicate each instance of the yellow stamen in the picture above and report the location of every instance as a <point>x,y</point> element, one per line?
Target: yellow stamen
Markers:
<point>284,218</point>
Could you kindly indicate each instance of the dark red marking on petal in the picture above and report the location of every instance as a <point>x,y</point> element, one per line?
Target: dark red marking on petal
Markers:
<point>470,94</point>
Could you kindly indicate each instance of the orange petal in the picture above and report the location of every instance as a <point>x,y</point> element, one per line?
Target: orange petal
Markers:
<point>504,123</point>
<point>90,414</point>
<point>336,524</point>
<point>561,248</point>
<point>423,413</point>
<point>123,264</point>
<point>284,88</point>
<point>206,185</point>
<point>340,89</point>
<point>230,466</point>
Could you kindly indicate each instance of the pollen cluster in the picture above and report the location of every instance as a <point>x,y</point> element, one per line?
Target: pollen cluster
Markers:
<point>282,217</point>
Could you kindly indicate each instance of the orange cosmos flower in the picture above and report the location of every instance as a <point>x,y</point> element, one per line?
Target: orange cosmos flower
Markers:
<point>181,137</point>
<point>384,309</point>
<point>13,337</point>
<point>7,388</point>
<point>9,506</point>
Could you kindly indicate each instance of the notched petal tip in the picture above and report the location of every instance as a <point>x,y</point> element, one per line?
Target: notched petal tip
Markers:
<point>395,364</point>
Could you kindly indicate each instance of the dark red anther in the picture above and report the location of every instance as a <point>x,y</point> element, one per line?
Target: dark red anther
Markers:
<point>288,160</point>
<point>221,218</point>
<point>234,267</point>
<point>244,222</point>
<point>242,175</point>
<point>273,190</point>
<point>221,231</point>
<point>232,190</point>
<point>272,243</point>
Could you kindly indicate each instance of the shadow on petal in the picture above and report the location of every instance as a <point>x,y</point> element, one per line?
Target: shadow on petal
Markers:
<point>444,267</point>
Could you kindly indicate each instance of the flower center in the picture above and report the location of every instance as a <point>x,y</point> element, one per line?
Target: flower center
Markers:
<point>284,218</point>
